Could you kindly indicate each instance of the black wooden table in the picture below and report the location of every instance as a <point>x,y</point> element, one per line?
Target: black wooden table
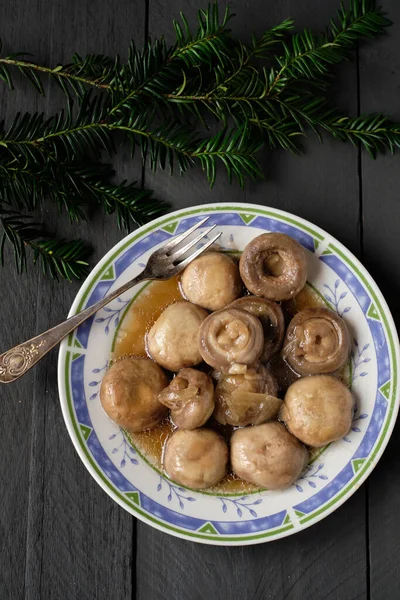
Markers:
<point>61,536</point>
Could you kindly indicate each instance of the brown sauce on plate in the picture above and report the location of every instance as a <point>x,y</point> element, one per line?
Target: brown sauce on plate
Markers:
<point>130,341</point>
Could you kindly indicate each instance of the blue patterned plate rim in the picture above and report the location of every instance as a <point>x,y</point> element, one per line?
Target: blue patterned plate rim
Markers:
<point>216,532</point>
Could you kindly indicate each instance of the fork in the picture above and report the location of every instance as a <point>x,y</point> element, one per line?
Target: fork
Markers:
<point>162,264</point>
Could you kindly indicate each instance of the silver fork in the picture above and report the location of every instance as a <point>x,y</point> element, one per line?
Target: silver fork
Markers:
<point>162,264</point>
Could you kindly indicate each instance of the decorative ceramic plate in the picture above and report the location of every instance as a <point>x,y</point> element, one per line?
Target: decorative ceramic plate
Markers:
<point>335,474</point>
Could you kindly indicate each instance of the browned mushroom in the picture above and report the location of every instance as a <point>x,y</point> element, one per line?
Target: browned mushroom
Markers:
<point>248,399</point>
<point>190,396</point>
<point>172,341</point>
<point>211,281</point>
<point>267,455</point>
<point>317,341</point>
<point>230,339</point>
<point>272,321</point>
<point>318,410</point>
<point>196,458</point>
<point>129,391</point>
<point>273,266</point>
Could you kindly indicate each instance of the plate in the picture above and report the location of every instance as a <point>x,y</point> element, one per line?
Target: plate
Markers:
<point>334,475</point>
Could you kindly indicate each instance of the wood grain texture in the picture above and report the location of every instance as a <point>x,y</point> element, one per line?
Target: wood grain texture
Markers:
<point>18,317</point>
<point>327,561</point>
<point>61,536</point>
<point>380,87</point>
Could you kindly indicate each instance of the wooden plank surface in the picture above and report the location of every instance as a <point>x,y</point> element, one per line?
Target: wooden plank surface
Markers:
<point>61,536</point>
<point>328,560</point>
<point>17,321</point>
<point>380,85</point>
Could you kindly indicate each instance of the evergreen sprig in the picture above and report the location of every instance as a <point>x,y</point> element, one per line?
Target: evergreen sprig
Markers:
<point>58,257</point>
<point>270,91</point>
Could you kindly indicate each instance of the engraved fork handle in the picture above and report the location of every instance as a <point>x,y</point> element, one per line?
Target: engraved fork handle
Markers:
<point>16,362</point>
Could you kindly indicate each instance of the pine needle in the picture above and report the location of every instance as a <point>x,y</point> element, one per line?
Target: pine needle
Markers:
<point>163,99</point>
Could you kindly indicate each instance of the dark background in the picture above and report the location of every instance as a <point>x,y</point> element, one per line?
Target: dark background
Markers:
<point>61,536</point>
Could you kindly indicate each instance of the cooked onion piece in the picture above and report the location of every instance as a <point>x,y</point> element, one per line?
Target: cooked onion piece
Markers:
<point>273,265</point>
<point>190,396</point>
<point>211,281</point>
<point>267,455</point>
<point>247,399</point>
<point>172,341</point>
<point>271,318</point>
<point>229,337</point>
<point>129,391</point>
<point>196,458</point>
<point>318,410</point>
<point>317,341</point>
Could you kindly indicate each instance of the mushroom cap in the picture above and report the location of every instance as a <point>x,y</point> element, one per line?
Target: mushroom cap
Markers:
<point>172,341</point>
<point>317,341</point>
<point>190,397</point>
<point>318,409</point>
<point>267,455</point>
<point>197,458</point>
<point>247,408</point>
<point>229,337</point>
<point>128,393</point>
<point>271,318</point>
<point>273,266</point>
<point>212,281</point>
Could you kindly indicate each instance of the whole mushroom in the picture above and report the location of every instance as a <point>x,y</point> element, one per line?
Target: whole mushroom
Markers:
<point>230,339</point>
<point>271,318</point>
<point>129,393</point>
<point>172,341</point>
<point>197,458</point>
<point>248,399</point>
<point>211,281</point>
<point>190,397</point>
<point>317,341</point>
<point>267,455</point>
<point>273,266</point>
<point>318,409</point>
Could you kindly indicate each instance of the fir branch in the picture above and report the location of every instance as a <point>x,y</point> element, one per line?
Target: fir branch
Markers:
<point>243,91</point>
<point>376,133</point>
<point>130,204</point>
<point>58,258</point>
<point>64,137</point>
<point>236,149</point>
<point>25,186</point>
<point>310,56</point>
<point>59,73</point>
<point>271,91</point>
<point>145,72</point>
<point>73,186</point>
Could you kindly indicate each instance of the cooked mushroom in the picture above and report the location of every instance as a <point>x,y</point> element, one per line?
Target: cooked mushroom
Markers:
<point>317,341</point>
<point>272,321</point>
<point>196,458</point>
<point>230,339</point>
<point>129,391</point>
<point>267,455</point>
<point>318,410</point>
<point>211,281</point>
<point>172,341</point>
<point>190,396</point>
<point>273,265</point>
<point>248,399</point>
